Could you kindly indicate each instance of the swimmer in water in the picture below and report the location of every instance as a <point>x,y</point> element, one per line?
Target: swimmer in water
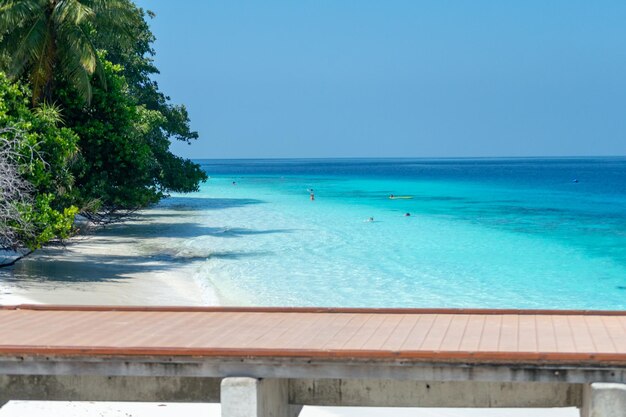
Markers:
<point>391,196</point>
<point>234,182</point>
<point>312,196</point>
<point>369,220</point>
<point>407,214</point>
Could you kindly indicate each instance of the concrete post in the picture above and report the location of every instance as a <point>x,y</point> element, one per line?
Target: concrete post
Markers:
<point>604,400</point>
<point>251,397</point>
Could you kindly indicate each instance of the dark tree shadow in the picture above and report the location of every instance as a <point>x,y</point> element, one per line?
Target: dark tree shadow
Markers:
<point>205,203</point>
<point>59,264</point>
<point>101,268</point>
<point>180,230</point>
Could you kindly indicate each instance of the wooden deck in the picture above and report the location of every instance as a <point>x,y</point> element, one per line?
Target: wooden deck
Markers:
<point>468,336</point>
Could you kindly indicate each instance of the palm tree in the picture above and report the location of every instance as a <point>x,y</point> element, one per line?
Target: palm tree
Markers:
<point>44,39</point>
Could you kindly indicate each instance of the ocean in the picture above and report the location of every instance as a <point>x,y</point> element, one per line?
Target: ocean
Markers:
<point>487,233</point>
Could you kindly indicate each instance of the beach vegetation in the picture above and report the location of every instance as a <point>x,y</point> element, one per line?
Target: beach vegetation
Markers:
<point>36,185</point>
<point>124,163</point>
<point>53,39</point>
<point>77,89</point>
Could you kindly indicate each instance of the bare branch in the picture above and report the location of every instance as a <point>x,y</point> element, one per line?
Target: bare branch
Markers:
<point>16,193</point>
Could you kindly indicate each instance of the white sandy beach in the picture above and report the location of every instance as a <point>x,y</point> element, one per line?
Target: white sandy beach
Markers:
<point>124,264</point>
<point>131,264</point>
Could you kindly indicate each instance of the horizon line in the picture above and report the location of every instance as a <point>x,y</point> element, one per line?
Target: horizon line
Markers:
<point>408,157</point>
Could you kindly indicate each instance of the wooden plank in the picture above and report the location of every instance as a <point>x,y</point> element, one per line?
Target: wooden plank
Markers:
<point>473,333</point>
<point>490,338</point>
<point>420,336</point>
<point>419,332</point>
<point>546,339</point>
<point>307,324</point>
<point>527,339</point>
<point>434,338</point>
<point>600,335</point>
<point>580,334</point>
<point>455,332</point>
<point>402,331</point>
<point>615,330</point>
<point>337,340</point>
<point>369,328</point>
<point>389,325</point>
<point>563,333</point>
<point>509,334</point>
<point>318,334</point>
<point>206,330</point>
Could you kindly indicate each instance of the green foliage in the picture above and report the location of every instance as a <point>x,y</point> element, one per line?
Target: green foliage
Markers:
<point>45,156</point>
<point>97,117</point>
<point>113,169</point>
<point>123,164</point>
<point>135,55</point>
<point>49,39</point>
<point>50,223</point>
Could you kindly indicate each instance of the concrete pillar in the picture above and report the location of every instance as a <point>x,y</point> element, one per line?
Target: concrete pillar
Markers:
<point>251,397</point>
<point>604,400</point>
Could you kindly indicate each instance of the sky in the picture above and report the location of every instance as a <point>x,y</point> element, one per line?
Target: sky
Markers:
<point>395,78</point>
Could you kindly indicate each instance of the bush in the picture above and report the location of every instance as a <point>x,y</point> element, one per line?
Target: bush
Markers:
<point>38,156</point>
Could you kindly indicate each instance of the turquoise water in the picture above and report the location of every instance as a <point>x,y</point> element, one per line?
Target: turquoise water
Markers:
<point>516,233</point>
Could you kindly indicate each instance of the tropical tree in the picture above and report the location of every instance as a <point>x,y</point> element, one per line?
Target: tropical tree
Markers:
<point>36,184</point>
<point>135,55</point>
<point>122,165</point>
<point>46,39</point>
<point>89,65</point>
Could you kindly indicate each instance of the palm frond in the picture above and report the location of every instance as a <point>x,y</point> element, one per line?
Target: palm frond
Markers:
<point>78,60</point>
<point>41,73</point>
<point>7,44</point>
<point>98,67</point>
<point>72,12</point>
<point>82,82</point>
<point>29,47</point>
<point>16,13</point>
<point>54,38</point>
<point>117,16</point>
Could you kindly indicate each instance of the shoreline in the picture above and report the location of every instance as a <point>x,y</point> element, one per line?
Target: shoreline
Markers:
<point>110,266</point>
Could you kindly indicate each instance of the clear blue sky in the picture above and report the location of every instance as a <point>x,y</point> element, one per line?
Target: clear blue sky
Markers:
<point>333,78</point>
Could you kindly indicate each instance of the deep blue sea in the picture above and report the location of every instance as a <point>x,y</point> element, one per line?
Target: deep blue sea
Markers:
<point>515,233</point>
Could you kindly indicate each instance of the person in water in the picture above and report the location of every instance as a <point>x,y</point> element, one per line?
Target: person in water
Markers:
<point>407,214</point>
<point>312,196</point>
<point>391,196</point>
<point>371,219</point>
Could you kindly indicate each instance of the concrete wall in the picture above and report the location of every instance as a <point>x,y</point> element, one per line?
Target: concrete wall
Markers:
<point>325,392</point>
<point>390,393</point>
<point>101,388</point>
<point>308,368</point>
<point>246,396</point>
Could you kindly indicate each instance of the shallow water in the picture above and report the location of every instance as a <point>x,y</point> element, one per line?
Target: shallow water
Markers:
<point>517,233</point>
